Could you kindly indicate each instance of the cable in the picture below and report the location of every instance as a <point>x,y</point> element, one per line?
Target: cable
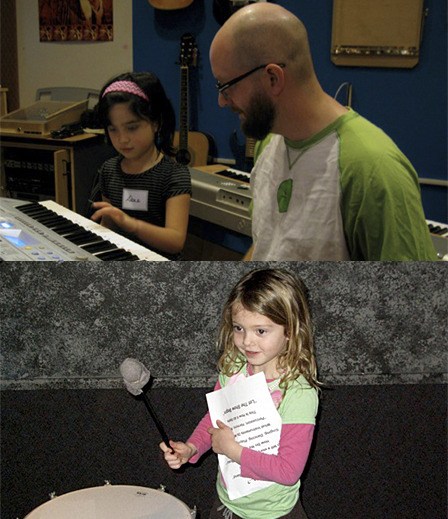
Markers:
<point>349,90</point>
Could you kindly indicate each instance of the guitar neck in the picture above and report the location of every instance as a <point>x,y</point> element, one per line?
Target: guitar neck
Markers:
<point>183,112</point>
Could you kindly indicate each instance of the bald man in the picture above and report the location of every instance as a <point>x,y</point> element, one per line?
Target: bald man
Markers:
<point>327,184</point>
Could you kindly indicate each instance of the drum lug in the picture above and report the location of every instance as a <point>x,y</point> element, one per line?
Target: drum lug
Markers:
<point>107,482</point>
<point>162,488</point>
<point>52,495</point>
<point>193,512</point>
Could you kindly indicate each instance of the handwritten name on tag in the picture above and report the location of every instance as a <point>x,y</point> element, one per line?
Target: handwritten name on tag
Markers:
<point>135,199</point>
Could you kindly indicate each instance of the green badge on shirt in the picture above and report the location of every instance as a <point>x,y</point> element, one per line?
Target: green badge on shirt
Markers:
<point>284,195</point>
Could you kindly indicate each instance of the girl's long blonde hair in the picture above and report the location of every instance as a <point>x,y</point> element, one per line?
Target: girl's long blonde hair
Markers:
<point>283,298</point>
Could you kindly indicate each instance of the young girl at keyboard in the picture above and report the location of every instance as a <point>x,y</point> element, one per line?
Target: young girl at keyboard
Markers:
<point>266,327</point>
<point>145,192</point>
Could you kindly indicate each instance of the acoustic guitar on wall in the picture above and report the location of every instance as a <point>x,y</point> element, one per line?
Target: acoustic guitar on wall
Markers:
<point>192,147</point>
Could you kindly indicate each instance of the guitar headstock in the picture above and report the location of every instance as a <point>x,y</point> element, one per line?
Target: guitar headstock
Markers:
<point>188,50</point>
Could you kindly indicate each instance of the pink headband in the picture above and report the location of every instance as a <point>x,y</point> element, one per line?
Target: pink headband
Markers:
<point>126,86</point>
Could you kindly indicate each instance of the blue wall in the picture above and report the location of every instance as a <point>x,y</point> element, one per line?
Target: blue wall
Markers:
<point>409,104</point>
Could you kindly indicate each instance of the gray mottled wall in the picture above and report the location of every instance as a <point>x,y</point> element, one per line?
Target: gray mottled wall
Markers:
<point>71,325</point>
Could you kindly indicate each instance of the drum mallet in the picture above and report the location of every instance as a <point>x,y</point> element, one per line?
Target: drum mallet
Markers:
<point>135,376</point>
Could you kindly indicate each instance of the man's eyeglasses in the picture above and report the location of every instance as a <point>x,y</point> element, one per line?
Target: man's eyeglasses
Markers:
<point>224,86</point>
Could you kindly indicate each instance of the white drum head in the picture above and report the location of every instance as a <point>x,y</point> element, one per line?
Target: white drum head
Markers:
<point>113,502</point>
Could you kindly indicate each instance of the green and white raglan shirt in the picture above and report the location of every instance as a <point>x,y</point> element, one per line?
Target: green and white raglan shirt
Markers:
<point>347,193</point>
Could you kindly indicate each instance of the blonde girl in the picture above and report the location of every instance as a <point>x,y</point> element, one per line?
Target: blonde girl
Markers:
<point>266,327</point>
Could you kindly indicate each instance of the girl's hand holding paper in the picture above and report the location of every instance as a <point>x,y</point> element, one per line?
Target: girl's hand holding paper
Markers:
<point>223,441</point>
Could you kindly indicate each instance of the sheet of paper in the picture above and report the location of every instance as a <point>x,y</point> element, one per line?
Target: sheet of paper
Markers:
<point>246,407</point>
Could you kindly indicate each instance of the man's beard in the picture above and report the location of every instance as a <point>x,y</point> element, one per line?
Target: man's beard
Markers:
<point>260,117</point>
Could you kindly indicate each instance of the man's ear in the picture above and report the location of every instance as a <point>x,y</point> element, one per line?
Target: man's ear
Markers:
<point>276,75</point>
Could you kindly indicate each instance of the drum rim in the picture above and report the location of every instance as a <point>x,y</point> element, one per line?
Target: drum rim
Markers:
<point>106,486</point>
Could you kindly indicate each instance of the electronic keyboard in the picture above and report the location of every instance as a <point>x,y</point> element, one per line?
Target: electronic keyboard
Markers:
<point>223,197</point>
<point>47,231</point>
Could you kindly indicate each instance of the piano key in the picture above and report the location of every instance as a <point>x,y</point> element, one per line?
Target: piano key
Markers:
<point>115,255</point>
<point>61,227</point>
<point>76,235</point>
<point>437,229</point>
<point>85,238</point>
<point>98,246</point>
<point>439,237</point>
<point>234,174</point>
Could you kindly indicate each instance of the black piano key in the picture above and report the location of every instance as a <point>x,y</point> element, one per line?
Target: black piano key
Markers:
<point>91,239</point>
<point>45,217</point>
<point>75,235</point>
<point>437,229</point>
<point>52,220</point>
<point>99,247</point>
<point>114,255</point>
<point>64,227</point>
<point>126,256</point>
<point>132,257</point>
<point>85,238</point>
<point>55,222</point>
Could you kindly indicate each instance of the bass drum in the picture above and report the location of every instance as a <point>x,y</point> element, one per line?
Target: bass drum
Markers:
<point>113,502</point>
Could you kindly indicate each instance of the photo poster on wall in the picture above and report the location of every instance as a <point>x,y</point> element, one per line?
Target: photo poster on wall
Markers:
<point>75,20</point>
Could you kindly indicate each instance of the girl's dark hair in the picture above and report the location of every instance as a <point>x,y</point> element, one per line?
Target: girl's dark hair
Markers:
<point>158,110</point>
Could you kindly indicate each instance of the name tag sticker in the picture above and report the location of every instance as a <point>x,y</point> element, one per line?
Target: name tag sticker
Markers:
<point>135,199</point>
